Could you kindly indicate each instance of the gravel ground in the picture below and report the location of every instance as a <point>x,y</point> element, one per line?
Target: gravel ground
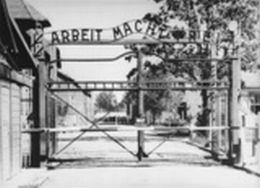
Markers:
<point>95,149</point>
<point>98,162</point>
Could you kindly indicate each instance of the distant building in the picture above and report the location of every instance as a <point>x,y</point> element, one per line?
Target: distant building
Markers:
<point>249,115</point>
<point>80,100</point>
<point>187,110</point>
<point>186,103</point>
<point>112,118</point>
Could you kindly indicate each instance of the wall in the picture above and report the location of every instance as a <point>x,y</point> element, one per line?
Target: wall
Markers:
<point>11,120</point>
<point>26,120</point>
<point>10,123</point>
<point>248,127</point>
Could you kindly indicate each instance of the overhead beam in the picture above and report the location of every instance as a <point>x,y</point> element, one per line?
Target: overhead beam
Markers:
<point>129,85</point>
<point>251,89</point>
<point>145,89</point>
<point>122,55</point>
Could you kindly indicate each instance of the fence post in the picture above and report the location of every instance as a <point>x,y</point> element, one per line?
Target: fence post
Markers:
<point>234,91</point>
<point>39,102</point>
<point>258,140</point>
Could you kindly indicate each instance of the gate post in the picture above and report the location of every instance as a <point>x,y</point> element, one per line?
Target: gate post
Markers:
<point>234,91</point>
<point>233,96</point>
<point>258,140</point>
<point>39,109</point>
<point>140,102</point>
<point>37,47</point>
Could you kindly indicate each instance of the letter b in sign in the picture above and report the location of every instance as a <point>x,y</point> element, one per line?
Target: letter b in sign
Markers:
<point>75,35</point>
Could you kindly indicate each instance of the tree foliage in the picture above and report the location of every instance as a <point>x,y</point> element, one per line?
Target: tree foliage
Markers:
<point>155,102</point>
<point>106,101</point>
<point>164,100</point>
<point>214,15</point>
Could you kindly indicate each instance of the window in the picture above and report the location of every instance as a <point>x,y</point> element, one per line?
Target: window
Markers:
<point>255,103</point>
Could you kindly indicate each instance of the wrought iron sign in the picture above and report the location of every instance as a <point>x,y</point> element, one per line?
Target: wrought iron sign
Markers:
<point>127,32</point>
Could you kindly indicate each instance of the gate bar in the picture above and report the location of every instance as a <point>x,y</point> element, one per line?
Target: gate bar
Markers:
<point>78,137</point>
<point>70,143</point>
<point>94,124</point>
<point>127,129</point>
<point>157,146</point>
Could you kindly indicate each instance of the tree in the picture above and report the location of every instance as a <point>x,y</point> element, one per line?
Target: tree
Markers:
<point>106,101</point>
<point>215,16</point>
<point>155,102</point>
<point>158,101</point>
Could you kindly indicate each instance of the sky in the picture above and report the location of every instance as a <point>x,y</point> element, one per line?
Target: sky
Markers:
<point>65,14</point>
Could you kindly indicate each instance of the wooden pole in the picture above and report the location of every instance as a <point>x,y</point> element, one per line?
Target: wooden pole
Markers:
<point>39,110</point>
<point>219,122</point>
<point>226,124</point>
<point>48,118</point>
<point>47,146</point>
<point>35,137</point>
<point>140,137</point>
<point>214,100</point>
<point>229,120</point>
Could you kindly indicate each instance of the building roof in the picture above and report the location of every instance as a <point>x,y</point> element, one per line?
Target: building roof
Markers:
<point>22,10</point>
<point>12,43</point>
<point>6,34</point>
